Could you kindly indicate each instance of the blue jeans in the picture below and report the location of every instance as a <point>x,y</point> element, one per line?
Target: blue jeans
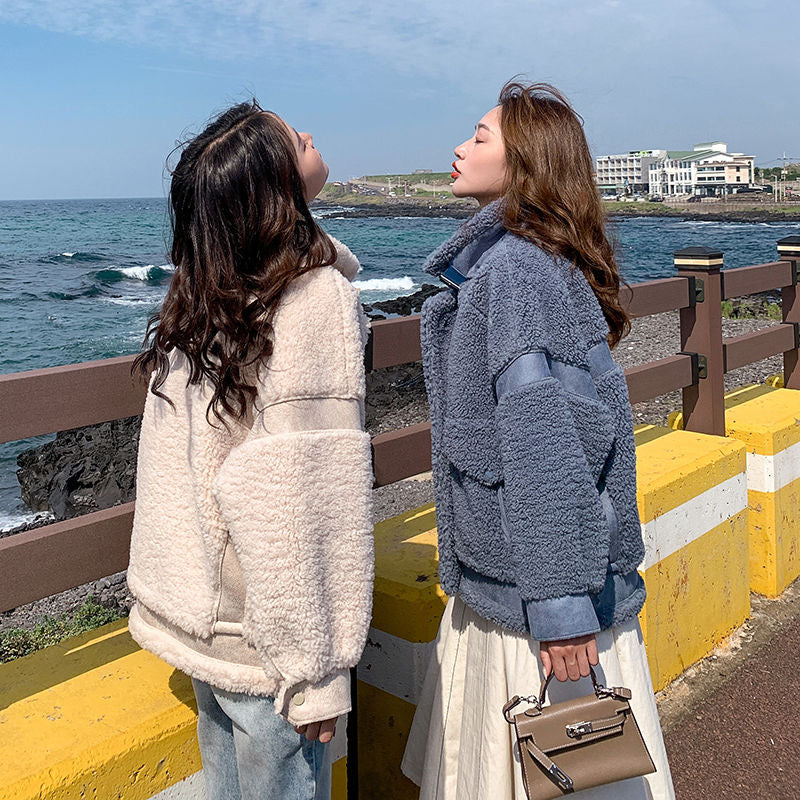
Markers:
<point>250,753</point>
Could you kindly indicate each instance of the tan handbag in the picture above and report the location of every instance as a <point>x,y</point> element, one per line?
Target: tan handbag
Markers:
<point>577,744</point>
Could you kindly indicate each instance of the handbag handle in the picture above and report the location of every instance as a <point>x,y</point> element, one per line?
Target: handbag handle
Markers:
<point>619,692</point>
<point>599,689</point>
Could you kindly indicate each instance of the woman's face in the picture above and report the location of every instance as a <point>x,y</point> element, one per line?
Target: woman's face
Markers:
<point>313,170</point>
<point>479,170</point>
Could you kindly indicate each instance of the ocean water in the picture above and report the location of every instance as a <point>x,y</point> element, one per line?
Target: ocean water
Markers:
<point>79,278</point>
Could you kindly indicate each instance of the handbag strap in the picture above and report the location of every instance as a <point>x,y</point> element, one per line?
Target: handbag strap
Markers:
<point>550,767</point>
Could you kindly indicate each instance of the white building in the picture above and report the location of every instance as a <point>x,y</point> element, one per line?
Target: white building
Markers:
<point>626,172</point>
<point>708,169</point>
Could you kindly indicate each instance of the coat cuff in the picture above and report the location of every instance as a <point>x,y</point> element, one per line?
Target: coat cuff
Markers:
<point>302,703</point>
<point>561,617</point>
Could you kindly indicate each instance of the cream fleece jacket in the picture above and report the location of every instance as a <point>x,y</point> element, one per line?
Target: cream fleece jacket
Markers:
<point>252,553</point>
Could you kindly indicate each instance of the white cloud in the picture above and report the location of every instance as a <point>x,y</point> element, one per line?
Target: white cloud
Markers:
<point>628,65</point>
<point>415,36</point>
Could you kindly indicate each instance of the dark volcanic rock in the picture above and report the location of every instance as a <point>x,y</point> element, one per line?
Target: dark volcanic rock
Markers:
<point>452,209</point>
<point>81,470</point>
<point>403,306</point>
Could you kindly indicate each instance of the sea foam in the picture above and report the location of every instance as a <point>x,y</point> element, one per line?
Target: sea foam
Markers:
<point>9,521</point>
<point>403,284</point>
<point>146,272</point>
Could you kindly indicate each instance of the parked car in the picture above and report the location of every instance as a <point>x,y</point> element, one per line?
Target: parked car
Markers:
<point>656,198</point>
<point>695,198</point>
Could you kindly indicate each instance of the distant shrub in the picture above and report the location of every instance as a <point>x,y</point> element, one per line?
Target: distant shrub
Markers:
<point>727,308</point>
<point>774,311</point>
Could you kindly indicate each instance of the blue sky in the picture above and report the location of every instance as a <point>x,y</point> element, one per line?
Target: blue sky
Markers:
<point>96,93</point>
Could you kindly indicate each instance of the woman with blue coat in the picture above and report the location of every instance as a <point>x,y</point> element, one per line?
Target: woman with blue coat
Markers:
<point>534,461</point>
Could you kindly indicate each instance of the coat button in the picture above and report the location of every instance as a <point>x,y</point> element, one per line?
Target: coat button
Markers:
<point>489,476</point>
<point>298,699</point>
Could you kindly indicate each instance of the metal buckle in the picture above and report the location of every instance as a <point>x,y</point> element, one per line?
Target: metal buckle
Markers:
<point>618,692</point>
<point>562,779</point>
<point>579,729</point>
<point>513,704</point>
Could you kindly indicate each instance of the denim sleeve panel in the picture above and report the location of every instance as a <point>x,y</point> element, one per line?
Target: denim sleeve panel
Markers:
<point>561,617</point>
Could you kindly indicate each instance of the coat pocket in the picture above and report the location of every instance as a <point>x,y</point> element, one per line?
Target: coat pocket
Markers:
<point>476,479</point>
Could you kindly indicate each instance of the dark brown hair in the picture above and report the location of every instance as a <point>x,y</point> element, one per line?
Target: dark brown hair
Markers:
<point>551,197</point>
<point>241,232</point>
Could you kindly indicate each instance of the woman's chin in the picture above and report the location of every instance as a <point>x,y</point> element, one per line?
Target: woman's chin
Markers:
<point>459,190</point>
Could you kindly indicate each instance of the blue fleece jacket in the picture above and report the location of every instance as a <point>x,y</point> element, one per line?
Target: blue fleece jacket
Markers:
<point>534,461</point>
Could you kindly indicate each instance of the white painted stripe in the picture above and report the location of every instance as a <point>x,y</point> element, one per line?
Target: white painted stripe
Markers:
<point>394,665</point>
<point>191,788</point>
<point>669,532</point>
<point>767,473</point>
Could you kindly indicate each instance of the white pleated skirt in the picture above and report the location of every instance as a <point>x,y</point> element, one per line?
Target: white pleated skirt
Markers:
<point>461,748</point>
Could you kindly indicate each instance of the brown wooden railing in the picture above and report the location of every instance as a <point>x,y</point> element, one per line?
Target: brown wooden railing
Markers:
<point>47,560</point>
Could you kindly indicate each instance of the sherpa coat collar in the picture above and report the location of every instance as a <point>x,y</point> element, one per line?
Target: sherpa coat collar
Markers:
<point>469,230</point>
<point>345,262</point>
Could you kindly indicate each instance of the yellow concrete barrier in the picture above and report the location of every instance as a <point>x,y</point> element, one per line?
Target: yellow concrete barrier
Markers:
<point>95,717</point>
<point>693,508</point>
<point>766,419</point>
<point>407,607</point>
<point>98,717</point>
<point>767,422</point>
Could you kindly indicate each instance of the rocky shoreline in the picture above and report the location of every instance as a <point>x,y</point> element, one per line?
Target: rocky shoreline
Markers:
<point>744,215</point>
<point>389,207</point>
<point>459,209</point>
<point>91,468</point>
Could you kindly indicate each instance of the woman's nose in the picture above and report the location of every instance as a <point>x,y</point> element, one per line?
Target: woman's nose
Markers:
<point>307,138</point>
<point>460,151</point>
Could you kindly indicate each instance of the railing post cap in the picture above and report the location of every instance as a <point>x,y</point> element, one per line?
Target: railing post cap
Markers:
<point>789,246</point>
<point>702,258</point>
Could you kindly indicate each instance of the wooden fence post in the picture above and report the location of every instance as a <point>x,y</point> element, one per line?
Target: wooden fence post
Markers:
<point>789,250</point>
<point>701,337</point>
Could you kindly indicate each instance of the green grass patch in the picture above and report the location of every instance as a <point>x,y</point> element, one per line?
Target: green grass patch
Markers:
<point>727,308</point>
<point>774,311</point>
<point>351,199</point>
<point>419,177</point>
<point>18,642</point>
<point>769,310</point>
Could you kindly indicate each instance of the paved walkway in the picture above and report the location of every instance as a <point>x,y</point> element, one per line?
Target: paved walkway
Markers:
<point>743,740</point>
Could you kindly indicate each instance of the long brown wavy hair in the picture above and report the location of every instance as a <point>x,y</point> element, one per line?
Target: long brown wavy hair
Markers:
<point>551,196</point>
<point>241,232</point>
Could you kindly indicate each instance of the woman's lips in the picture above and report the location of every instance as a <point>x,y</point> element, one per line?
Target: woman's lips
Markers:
<point>455,173</point>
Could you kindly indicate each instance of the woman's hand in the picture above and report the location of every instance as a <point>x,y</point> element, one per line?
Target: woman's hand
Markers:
<point>569,658</point>
<point>320,730</point>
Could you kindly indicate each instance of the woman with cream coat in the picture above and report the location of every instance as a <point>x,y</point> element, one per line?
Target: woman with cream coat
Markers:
<point>251,556</point>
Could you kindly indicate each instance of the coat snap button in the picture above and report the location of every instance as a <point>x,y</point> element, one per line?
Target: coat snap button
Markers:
<point>489,475</point>
<point>298,699</point>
